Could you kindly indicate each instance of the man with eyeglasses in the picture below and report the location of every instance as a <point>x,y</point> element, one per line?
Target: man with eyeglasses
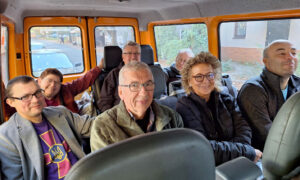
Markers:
<point>109,90</point>
<point>57,93</point>
<point>39,142</point>
<point>137,113</point>
<point>173,72</point>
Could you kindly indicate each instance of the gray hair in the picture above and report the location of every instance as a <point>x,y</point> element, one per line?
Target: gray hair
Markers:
<point>133,66</point>
<point>186,50</point>
<point>133,44</point>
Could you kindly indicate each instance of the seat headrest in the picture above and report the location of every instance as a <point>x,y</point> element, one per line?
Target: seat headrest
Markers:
<point>282,151</point>
<point>147,54</point>
<point>165,155</point>
<point>112,57</point>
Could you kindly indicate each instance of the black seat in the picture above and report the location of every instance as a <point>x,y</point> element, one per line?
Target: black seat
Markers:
<point>165,155</point>
<point>112,58</point>
<point>238,168</point>
<point>158,73</point>
<point>281,156</point>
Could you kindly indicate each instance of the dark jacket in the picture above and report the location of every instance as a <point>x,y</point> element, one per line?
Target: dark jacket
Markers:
<point>223,125</point>
<point>260,99</point>
<point>115,124</point>
<point>109,96</point>
<point>172,73</point>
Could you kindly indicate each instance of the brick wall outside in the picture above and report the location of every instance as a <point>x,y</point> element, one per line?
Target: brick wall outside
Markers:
<point>242,54</point>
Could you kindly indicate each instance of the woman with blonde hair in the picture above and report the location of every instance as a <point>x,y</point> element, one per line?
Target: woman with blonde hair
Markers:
<point>212,112</point>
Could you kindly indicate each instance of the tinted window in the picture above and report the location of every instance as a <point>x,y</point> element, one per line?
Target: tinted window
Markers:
<point>242,57</point>
<point>112,36</point>
<point>56,47</point>
<point>4,54</point>
<point>172,38</point>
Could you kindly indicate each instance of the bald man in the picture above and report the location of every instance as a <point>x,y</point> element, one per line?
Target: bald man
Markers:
<point>260,98</point>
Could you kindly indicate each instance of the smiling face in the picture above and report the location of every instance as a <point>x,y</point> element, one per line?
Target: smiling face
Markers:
<point>51,85</point>
<point>32,109</point>
<point>181,59</point>
<point>136,102</point>
<point>281,59</point>
<point>204,88</point>
<point>131,53</point>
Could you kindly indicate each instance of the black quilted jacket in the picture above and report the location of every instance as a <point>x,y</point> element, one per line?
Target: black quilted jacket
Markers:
<point>224,126</point>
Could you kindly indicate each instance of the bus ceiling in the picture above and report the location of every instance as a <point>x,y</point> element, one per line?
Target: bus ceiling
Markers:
<point>144,10</point>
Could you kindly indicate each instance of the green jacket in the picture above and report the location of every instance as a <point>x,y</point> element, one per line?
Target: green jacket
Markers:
<point>115,124</point>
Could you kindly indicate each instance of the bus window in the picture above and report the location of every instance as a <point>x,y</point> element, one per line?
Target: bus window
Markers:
<point>242,45</point>
<point>4,54</point>
<point>112,36</point>
<point>56,47</point>
<point>171,38</point>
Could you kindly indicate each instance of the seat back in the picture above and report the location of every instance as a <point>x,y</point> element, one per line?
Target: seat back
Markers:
<point>282,151</point>
<point>158,74</point>
<point>238,168</point>
<point>112,58</point>
<point>165,155</point>
<point>227,85</point>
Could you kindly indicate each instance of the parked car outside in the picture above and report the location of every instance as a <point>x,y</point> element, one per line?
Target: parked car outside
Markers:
<point>42,59</point>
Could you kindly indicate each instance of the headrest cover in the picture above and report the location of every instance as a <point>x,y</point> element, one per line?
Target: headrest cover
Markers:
<point>147,54</point>
<point>112,57</point>
<point>165,155</point>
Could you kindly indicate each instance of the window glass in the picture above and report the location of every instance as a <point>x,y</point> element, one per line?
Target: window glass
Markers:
<point>170,39</point>
<point>242,56</point>
<point>4,54</point>
<point>56,47</point>
<point>112,36</point>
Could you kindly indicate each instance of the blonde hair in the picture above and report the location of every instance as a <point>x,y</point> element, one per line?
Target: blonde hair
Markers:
<point>202,58</point>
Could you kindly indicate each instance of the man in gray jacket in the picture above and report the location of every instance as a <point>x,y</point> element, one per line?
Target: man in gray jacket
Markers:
<point>137,113</point>
<point>38,142</point>
<point>260,98</point>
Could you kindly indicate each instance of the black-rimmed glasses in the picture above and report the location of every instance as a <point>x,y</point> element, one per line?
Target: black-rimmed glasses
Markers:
<point>135,86</point>
<point>39,93</point>
<point>200,77</point>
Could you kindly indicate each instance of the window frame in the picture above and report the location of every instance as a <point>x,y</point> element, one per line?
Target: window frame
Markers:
<point>109,21</point>
<point>57,21</point>
<point>174,24</point>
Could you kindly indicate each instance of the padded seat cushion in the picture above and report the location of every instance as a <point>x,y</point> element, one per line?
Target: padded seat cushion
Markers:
<point>165,155</point>
<point>282,151</point>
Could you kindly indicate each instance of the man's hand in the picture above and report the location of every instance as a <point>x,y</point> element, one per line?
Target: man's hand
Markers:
<point>100,65</point>
<point>258,155</point>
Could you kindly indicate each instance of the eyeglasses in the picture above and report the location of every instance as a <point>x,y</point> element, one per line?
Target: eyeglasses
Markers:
<point>135,86</point>
<point>131,53</point>
<point>56,83</point>
<point>28,97</point>
<point>200,77</point>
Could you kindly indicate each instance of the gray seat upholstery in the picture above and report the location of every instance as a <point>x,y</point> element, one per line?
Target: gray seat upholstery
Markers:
<point>281,153</point>
<point>158,74</point>
<point>237,169</point>
<point>165,155</point>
